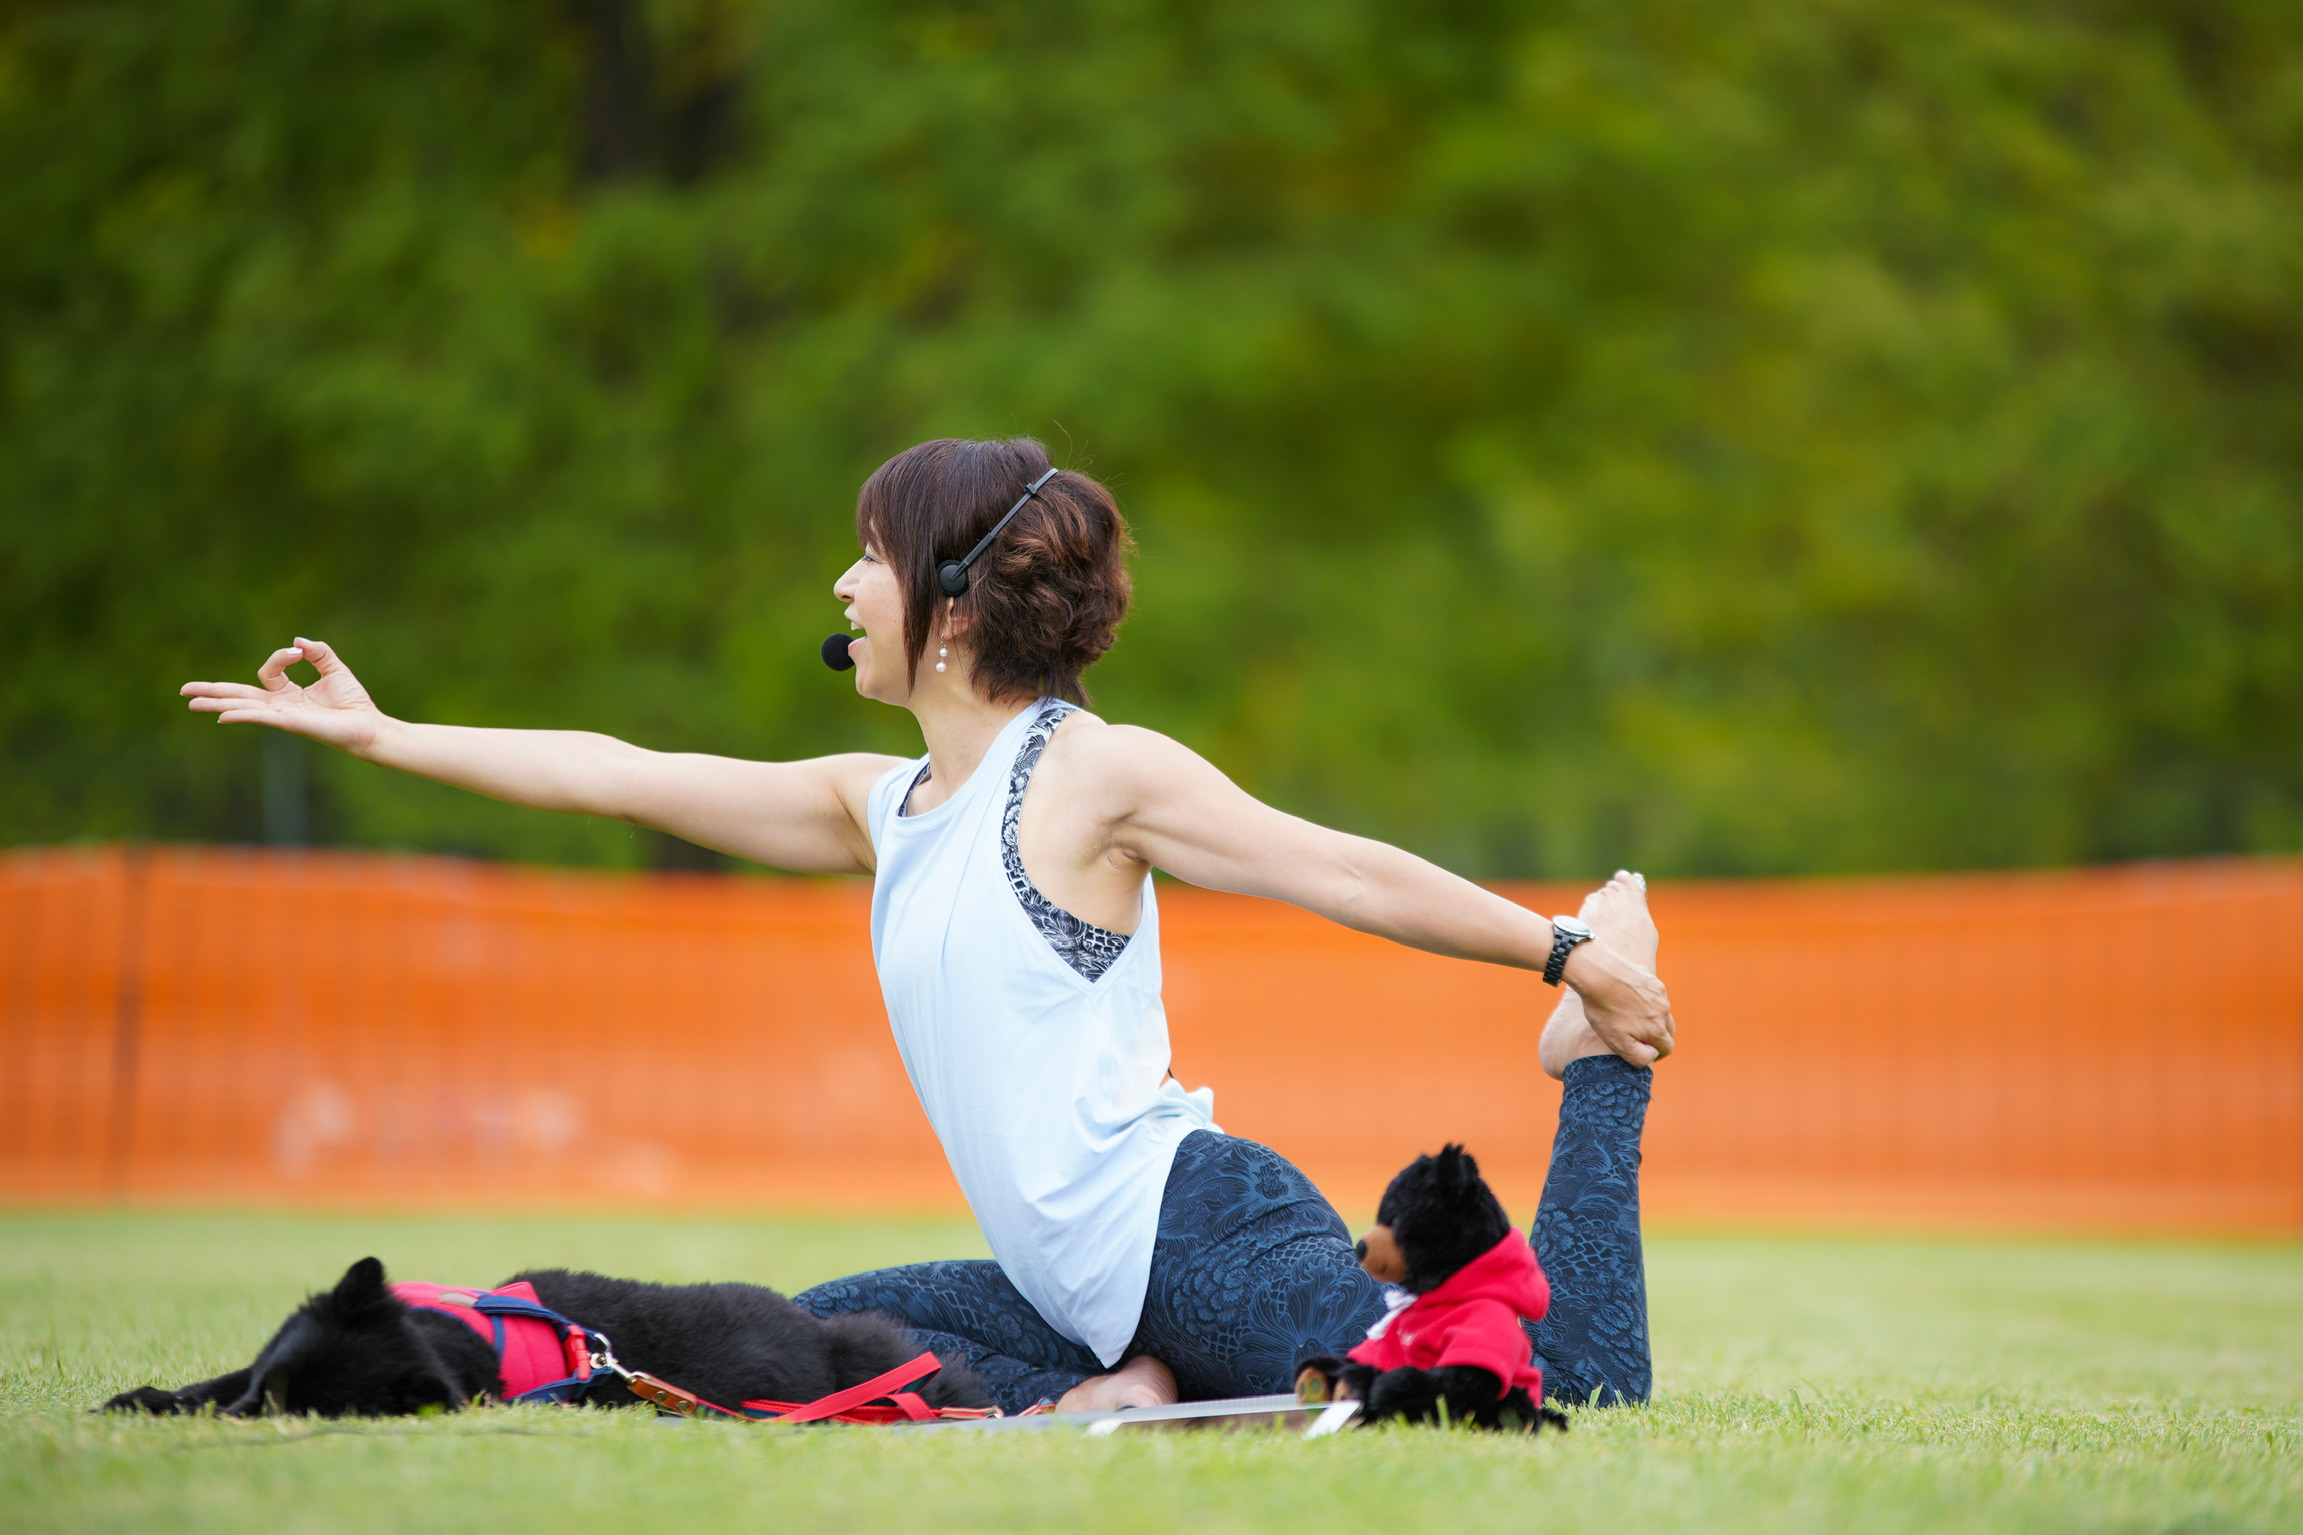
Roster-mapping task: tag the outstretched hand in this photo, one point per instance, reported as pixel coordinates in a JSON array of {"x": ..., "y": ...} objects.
[{"x": 334, "y": 709}]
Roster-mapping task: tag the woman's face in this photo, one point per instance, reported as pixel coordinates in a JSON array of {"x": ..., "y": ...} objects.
[{"x": 875, "y": 604}]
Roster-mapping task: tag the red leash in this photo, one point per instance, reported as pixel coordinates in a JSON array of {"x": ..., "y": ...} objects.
[{"x": 857, "y": 1404}]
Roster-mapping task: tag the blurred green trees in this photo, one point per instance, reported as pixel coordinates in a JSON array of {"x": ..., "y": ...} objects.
[{"x": 1835, "y": 434}]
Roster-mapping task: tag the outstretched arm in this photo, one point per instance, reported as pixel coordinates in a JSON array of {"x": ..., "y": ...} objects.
[
  {"x": 806, "y": 816},
  {"x": 1176, "y": 811}
]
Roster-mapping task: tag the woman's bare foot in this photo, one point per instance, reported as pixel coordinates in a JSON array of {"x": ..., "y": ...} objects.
[
  {"x": 1140, "y": 1382},
  {"x": 1617, "y": 912}
]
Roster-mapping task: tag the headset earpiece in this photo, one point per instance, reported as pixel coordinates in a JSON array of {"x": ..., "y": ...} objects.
[{"x": 952, "y": 575}]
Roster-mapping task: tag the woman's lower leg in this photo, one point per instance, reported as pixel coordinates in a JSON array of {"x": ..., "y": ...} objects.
[
  {"x": 967, "y": 1312},
  {"x": 1593, "y": 1342}
]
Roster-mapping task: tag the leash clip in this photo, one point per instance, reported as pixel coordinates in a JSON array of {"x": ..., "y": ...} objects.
[
  {"x": 661, "y": 1394},
  {"x": 604, "y": 1358}
]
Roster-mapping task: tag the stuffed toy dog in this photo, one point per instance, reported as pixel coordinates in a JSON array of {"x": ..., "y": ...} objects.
[{"x": 1451, "y": 1348}]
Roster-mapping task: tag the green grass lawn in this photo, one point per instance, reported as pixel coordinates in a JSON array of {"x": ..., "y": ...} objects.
[{"x": 1801, "y": 1385}]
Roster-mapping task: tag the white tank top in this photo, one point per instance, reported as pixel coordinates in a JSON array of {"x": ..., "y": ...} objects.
[{"x": 1049, "y": 1090}]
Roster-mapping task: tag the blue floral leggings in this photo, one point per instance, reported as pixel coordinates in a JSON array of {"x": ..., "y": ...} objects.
[{"x": 1253, "y": 1272}]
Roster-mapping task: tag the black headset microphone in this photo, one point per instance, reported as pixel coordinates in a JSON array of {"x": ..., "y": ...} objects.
[{"x": 951, "y": 575}]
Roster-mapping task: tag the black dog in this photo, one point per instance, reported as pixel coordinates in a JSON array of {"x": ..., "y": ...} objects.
[
  {"x": 359, "y": 1351},
  {"x": 1441, "y": 1236}
]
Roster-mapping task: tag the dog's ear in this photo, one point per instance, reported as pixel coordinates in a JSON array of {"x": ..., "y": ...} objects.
[
  {"x": 361, "y": 1280},
  {"x": 359, "y": 1295}
]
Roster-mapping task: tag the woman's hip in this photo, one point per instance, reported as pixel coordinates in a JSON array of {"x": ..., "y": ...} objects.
[
  {"x": 1223, "y": 1189},
  {"x": 1253, "y": 1271}
]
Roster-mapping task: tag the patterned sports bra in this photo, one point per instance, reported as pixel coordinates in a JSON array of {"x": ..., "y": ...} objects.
[{"x": 1088, "y": 949}]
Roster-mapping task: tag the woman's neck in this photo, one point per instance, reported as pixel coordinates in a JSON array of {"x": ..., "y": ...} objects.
[{"x": 960, "y": 725}]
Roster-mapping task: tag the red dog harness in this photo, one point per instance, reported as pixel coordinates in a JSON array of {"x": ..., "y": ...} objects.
[{"x": 544, "y": 1357}]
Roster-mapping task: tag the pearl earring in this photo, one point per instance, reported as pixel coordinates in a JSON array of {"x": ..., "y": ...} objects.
[{"x": 941, "y": 652}]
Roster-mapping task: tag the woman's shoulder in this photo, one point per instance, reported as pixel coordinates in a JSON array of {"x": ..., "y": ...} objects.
[
  {"x": 1088, "y": 738},
  {"x": 881, "y": 780},
  {"x": 1087, "y": 749}
]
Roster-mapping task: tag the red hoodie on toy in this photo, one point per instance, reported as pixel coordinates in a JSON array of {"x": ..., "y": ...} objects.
[{"x": 1472, "y": 1319}]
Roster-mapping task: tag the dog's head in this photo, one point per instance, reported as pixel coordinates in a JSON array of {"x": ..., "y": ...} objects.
[
  {"x": 348, "y": 1352},
  {"x": 1437, "y": 1216}
]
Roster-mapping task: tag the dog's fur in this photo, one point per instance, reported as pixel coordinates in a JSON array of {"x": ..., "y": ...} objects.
[
  {"x": 357, "y": 1351},
  {"x": 1436, "y": 1216}
]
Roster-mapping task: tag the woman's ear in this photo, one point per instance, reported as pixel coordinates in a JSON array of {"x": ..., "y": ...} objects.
[{"x": 956, "y": 620}]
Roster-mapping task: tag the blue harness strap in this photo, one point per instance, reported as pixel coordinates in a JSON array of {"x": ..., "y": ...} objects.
[{"x": 489, "y": 1303}]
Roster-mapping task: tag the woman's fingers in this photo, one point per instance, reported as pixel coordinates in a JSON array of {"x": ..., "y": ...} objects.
[
  {"x": 280, "y": 717},
  {"x": 1628, "y": 1008},
  {"x": 334, "y": 709},
  {"x": 274, "y": 672}
]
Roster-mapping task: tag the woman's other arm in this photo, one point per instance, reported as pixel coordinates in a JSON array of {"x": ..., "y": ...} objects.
[
  {"x": 1174, "y": 810},
  {"x": 805, "y": 816}
]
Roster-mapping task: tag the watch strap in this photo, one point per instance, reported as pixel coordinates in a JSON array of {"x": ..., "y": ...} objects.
[{"x": 1563, "y": 942}]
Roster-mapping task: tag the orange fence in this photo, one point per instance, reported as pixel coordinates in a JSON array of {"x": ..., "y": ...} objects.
[{"x": 2116, "y": 1049}]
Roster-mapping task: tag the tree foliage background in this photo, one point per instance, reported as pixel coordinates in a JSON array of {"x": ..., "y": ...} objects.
[{"x": 1821, "y": 435}]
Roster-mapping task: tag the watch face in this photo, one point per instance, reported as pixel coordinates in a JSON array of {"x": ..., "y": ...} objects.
[{"x": 1574, "y": 927}]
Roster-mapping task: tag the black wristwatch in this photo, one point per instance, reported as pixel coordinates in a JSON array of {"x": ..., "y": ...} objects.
[{"x": 1566, "y": 933}]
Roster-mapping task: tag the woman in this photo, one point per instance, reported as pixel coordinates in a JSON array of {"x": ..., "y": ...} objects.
[{"x": 1139, "y": 1253}]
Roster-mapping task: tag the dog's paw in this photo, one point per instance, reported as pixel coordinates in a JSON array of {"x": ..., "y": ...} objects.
[{"x": 145, "y": 1399}]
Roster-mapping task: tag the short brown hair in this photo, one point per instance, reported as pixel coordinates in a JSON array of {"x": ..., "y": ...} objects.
[{"x": 1044, "y": 601}]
